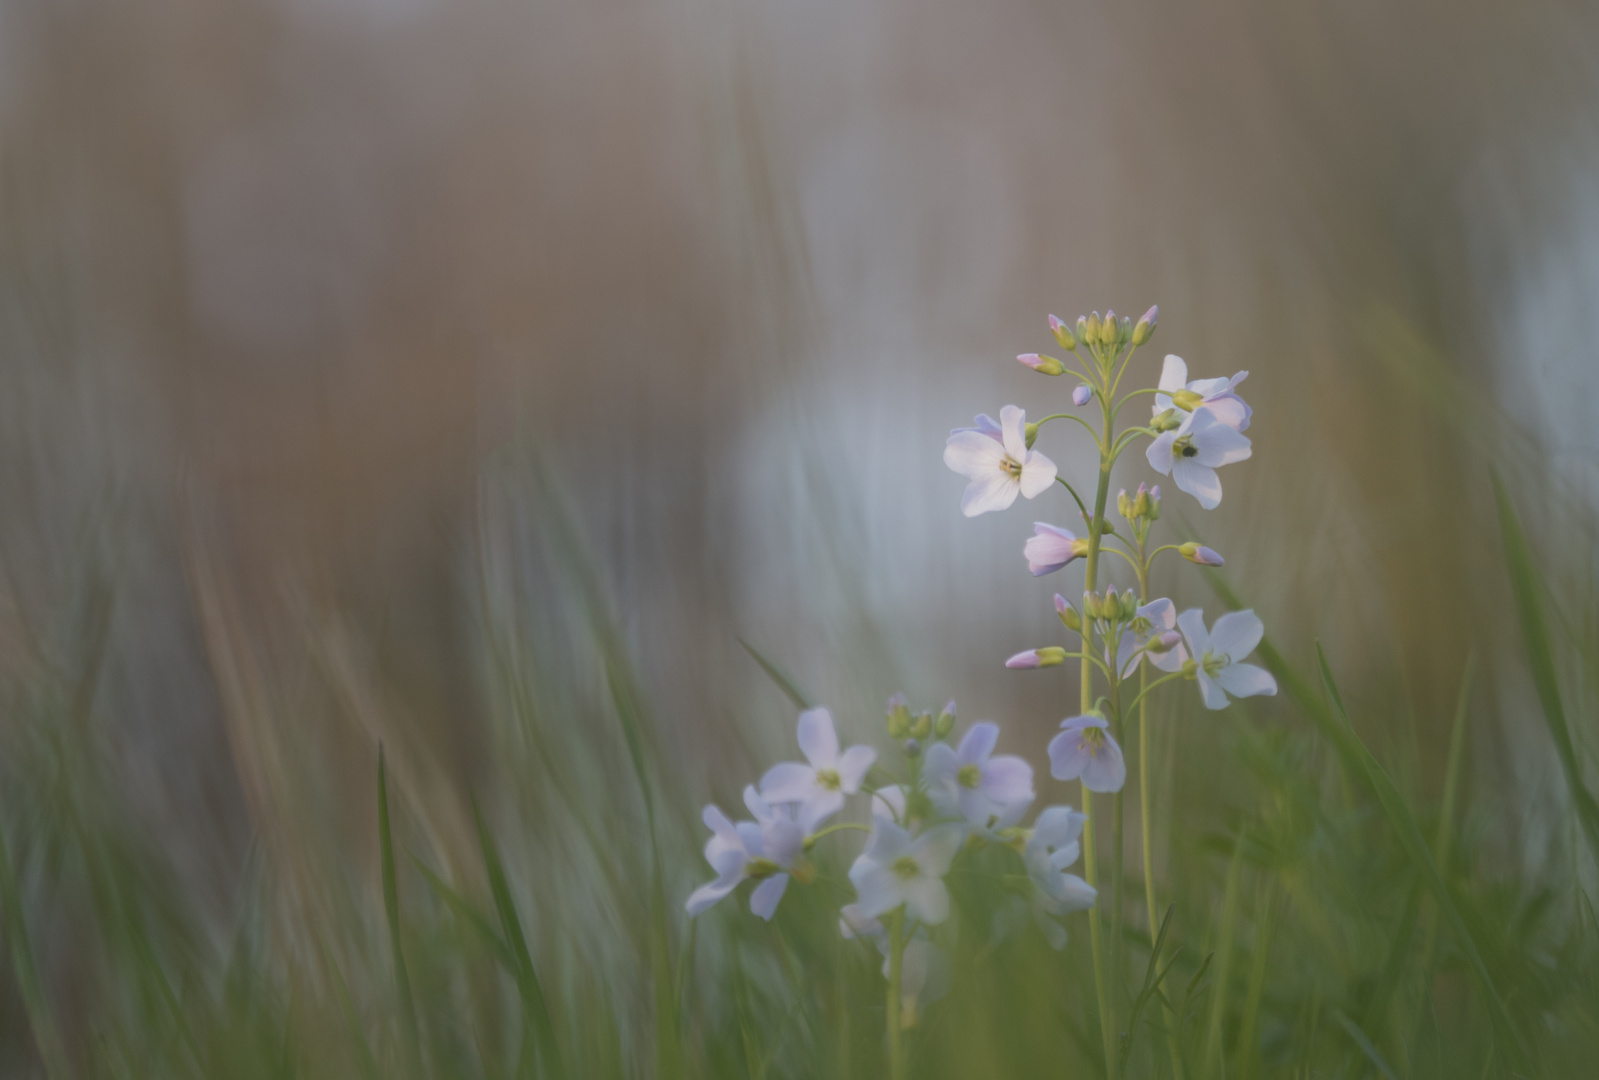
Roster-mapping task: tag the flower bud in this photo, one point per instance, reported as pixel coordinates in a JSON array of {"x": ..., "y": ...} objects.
[
  {"x": 1111, "y": 606},
  {"x": 1170, "y": 420},
  {"x": 1124, "y": 332},
  {"x": 1124, "y": 506},
  {"x": 1049, "y": 656},
  {"x": 1129, "y": 604},
  {"x": 1084, "y": 330},
  {"x": 1082, "y": 395},
  {"x": 922, "y": 726},
  {"x": 899, "y": 717},
  {"x": 913, "y": 749},
  {"x": 1140, "y": 502},
  {"x": 1186, "y": 400},
  {"x": 1164, "y": 643},
  {"x": 1068, "y": 614},
  {"x": 1146, "y": 325},
  {"x": 946, "y": 720},
  {"x": 1044, "y": 365},
  {"x": 1154, "y": 503},
  {"x": 1063, "y": 334},
  {"x": 1110, "y": 329},
  {"x": 1096, "y": 328},
  {"x": 1199, "y": 554},
  {"x": 1030, "y": 433}
]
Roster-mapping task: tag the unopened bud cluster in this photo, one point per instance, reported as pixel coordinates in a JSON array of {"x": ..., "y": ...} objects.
[{"x": 922, "y": 726}]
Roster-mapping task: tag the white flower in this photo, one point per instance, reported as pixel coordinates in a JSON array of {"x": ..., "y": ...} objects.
[
  {"x": 1051, "y": 847},
  {"x": 818, "y": 788},
  {"x": 764, "y": 852},
  {"x": 1086, "y": 750},
  {"x": 896, "y": 869},
  {"x": 1051, "y": 547},
  {"x": 998, "y": 464},
  {"x": 1215, "y": 394},
  {"x": 1154, "y": 619},
  {"x": 970, "y": 782},
  {"x": 1192, "y": 453},
  {"x": 1216, "y": 656}
]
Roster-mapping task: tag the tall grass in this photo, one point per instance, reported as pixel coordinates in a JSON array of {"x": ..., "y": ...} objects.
[{"x": 1328, "y": 915}]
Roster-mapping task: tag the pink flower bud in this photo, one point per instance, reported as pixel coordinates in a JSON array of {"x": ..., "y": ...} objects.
[{"x": 1200, "y": 554}]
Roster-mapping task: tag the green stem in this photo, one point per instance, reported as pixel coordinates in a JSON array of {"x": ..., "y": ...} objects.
[
  {"x": 835, "y": 828},
  {"x": 896, "y": 965},
  {"x": 1107, "y": 1022}
]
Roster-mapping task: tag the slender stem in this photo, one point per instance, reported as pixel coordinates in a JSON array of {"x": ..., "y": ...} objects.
[
  {"x": 835, "y": 828},
  {"x": 1134, "y": 393},
  {"x": 1144, "y": 796},
  {"x": 1075, "y": 497},
  {"x": 896, "y": 965},
  {"x": 1107, "y": 1022},
  {"x": 1139, "y": 700},
  {"x": 1067, "y": 416}
]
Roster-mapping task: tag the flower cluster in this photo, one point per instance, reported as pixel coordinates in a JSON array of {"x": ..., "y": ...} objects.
[{"x": 948, "y": 802}]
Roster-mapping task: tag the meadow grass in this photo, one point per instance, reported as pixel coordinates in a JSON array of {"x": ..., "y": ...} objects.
[{"x": 1328, "y": 913}]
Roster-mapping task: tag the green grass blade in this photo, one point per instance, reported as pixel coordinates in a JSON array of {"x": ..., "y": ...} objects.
[
  {"x": 1364, "y": 1043},
  {"x": 784, "y": 681},
  {"x": 534, "y": 1006},
  {"x": 1404, "y": 824},
  {"x": 1528, "y": 587},
  {"x": 391, "y": 911},
  {"x": 468, "y": 914},
  {"x": 35, "y": 1002}
]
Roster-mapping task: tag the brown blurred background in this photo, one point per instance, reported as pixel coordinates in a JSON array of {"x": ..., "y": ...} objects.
[{"x": 315, "y": 314}]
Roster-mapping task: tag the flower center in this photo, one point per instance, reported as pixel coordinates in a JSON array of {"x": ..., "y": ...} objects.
[
  {"x": 1184, "y": 447},
  {"x": 1186, "y": 400},
  {"x": 828, "y": 778},
  {"x": 760, "y": 868},
  {"x": 1011, "y": 466},
  {"x": 1092, "y": 739},
  {"x": 1214, "y": 663},
  {"x": 906, "y": 867},
  {"x": 969, "y": 776}
]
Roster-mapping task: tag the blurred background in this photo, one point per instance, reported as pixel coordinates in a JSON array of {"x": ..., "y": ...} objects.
[{"x": 469, "y": 376}]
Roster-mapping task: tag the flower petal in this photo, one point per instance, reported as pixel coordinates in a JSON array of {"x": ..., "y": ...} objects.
[
  {"x": 784, "y": 841},
  {"x": 708, "y": 894},
  {"x": 1173, "y": 373},
  {"x": 853, "y": 766},
  {"x": 1056, "y": 827},
  {"x": 1215, "y": 697},
  {"x": 877, "y": 888},
  {"x": 926, "y": 900},
  {"x": 1192, "y": 624},
  {"x": 717, "y": 822},
  {"x": 1007, "y": 779},
  {"x": 940, "y": 764},
  {"x": 817, "y": 738},
  {"x": 889, "y": 802},
  {"x": 978, "y": 743},
  {"x": 935, "y": 849},
  {"x": 1217, "y": 443},
  {"x": 885, "y": 843},
  {"x": 1105, "y": 772},
  {"x": 763, "y": 901},
  {"x": 989, "y": 492},
  {"x": 788, "y": 782},
  {"x": 1038, "y": 473},
  {"x": 974, "y": 454},
  {"x": 822, "y": 804},
  {"x": 1013, "y": 432},
  {"x": 1246, "y": 680},
  {"x": 1067, "y": 755},
  {"x": 1159, "y": 453},
  {"x": 1198, "y": 480},
  {"x": 1049, "y": 548},
  {"x": 1236, "y": 634}
]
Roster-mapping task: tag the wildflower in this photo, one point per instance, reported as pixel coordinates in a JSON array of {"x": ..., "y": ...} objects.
[
  {"x": 968, "y": 781},
  {"x": 1146, "y": 637},
  {"x": 1051, "y": 547},
  {"x": 1086, "y": 750},
  {"x": 818, "y": 788},
  {"x": 762, "y": 852},
  {"x": 896, "y": 868},
  {"x": 1215, "y": 656},
  {"x": 1048, "y": 656},
  {"x": 1051, "y": 847},
  {"x": 1192, "y": 452},
  {"x": 998, "y": 465},
  {"x": 1214, "y": 394}
]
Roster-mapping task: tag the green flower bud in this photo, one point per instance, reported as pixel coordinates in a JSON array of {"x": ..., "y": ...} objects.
[
  {"x": 1030, "y": 432},
  {"x": 1044, "y": 365},
  {"x": 1146, "y": 326},
  {"x": 946, "y": 720},
  {"x": 1124, "y": 506},
  {"x": 899, "y": 717},
  {"x": 922, "y": 726},
  {"x": 1063, "y": 335},
  {"x": 1068, "y": 615}
]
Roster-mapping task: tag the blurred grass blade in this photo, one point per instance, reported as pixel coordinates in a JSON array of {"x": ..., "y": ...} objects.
[
  {"x": 1364, "y": 1043},
  {"x": 391, "y": 910},
  {"x": 1404, "y": 824},
  {"x": 536, "y": 1011},
  {"x": 471, "y": 915},
  {"x": 35, "y": 1001},
  {"x": 352, "y": 1019},
  {"x": 1528, "y": 587},
  {"x": 782, "y": 678}
]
